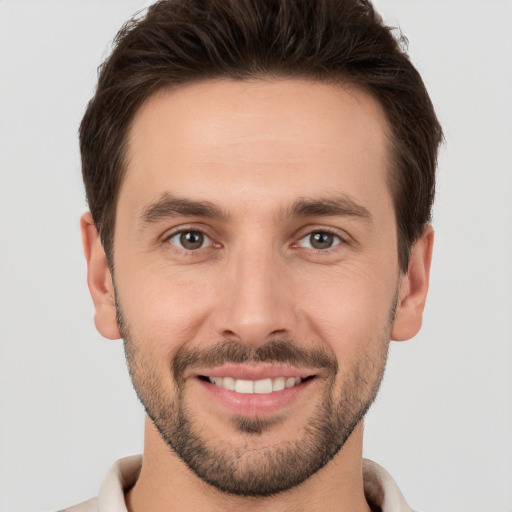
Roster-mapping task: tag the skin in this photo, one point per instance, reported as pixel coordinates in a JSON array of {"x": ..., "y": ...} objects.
[{"x": 252, "y": 150}]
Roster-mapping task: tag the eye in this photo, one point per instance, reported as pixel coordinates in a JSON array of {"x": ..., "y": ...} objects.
[
  {"x": 190, "y": 240},
  {"x": 320, "y": 240}
]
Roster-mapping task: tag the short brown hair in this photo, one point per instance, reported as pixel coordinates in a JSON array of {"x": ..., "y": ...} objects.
[{"x": 337, "y": 41}]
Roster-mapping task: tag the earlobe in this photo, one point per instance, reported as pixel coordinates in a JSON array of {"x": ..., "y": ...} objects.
[
  {"x": 413, "y": 288},
  {"x": 99, "y": 280}
]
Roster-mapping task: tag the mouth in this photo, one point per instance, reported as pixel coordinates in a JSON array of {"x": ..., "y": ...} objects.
[{"x": 256, "y": 391}]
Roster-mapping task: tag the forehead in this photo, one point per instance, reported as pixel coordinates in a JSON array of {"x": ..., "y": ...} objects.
[{"x": 286, "y": 137}]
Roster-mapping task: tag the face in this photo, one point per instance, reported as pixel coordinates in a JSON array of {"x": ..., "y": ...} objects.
[{"x": 256, "y": 274}]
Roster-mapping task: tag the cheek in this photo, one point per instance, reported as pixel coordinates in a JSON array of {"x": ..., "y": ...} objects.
[
  {"x": 349, "y": 309},
  {"x": 164, "y": 307},
  {"x": 355, "y": 325}
]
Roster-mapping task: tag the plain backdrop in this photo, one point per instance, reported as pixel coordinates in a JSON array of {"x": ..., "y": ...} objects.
[{"x": 442, "y": 424}]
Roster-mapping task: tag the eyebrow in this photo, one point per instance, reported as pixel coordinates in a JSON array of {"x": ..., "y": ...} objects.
[
  {"x": 169, "y": 206},
  {"x": 341, "y": 206}
]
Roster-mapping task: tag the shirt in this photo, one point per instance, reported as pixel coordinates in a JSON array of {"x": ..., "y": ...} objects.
[{"x": 380, "y": 489}]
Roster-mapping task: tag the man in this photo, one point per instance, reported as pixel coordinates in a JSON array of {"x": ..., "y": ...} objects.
[{"x": 260, "y": 175}]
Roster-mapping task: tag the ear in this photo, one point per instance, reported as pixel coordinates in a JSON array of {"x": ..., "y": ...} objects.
[
  {"x": 413, "y": 288},
  {"x": 99, "y": 280}
]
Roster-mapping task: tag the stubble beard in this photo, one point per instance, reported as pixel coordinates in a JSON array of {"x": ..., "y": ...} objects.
[{"x": 252, "y": 469}]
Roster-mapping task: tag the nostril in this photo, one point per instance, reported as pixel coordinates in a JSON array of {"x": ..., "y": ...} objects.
[{"x": 277, "y": 331}]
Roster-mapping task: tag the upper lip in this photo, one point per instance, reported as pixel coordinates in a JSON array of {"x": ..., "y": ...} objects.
[{"x": 254, "y": 372}]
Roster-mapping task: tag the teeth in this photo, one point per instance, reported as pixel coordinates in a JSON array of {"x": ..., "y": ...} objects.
[
  {"x": 290, "y": 382},
  {"x": 228, "y": 383},
  {"x": 244, "y": 386},
  {"x": 255, "y": 386},
  {"x": 263, "y": 386},
  {"x": 278, "y": 384}
]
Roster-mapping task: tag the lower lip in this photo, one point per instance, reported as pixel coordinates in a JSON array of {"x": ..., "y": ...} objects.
[{"x": 255, "y": 404}]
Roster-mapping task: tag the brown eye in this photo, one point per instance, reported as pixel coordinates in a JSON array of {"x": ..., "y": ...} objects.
[
  {"x": 190, "y": 240},
  {"x": 319, "y": 240}
]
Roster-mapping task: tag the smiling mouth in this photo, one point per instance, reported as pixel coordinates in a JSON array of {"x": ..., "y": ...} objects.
[{"x": 262, "y": 386}]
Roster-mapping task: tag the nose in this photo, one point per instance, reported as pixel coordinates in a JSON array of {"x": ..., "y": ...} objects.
[{"x": 256, "y": 303}]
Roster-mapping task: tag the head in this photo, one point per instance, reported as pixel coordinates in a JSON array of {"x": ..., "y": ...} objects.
[{"x": 260, "y": 176}]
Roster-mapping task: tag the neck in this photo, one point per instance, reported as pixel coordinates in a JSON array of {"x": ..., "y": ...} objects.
[{"x": 166, "y": 484}]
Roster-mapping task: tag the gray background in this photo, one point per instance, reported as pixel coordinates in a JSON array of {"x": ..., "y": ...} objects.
[{"x": 443, "y": 422}]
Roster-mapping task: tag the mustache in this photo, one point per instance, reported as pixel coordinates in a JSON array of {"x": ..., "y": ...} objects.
[{"x": 284, "y": 351}]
